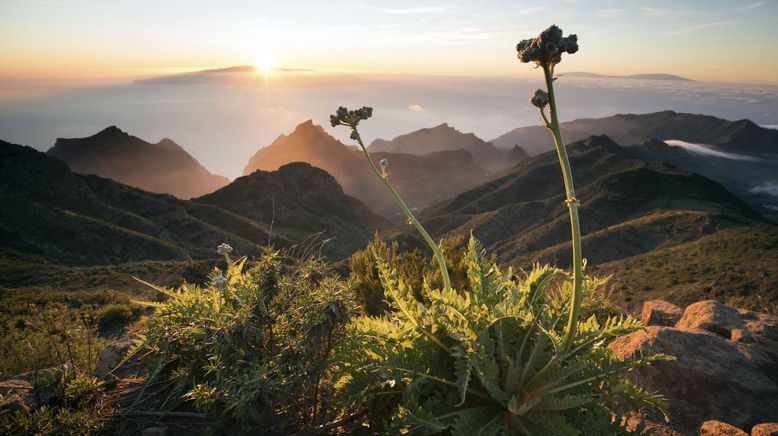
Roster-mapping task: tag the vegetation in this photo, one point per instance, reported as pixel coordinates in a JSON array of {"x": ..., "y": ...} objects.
[
  {"x": 488, "y": 358},
  {"x": 252, "y": 348}
]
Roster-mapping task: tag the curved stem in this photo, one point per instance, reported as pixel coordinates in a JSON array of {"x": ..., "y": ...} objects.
[
  {"x": 435, "y": 249},
  {"x": 572, "y": 205}
]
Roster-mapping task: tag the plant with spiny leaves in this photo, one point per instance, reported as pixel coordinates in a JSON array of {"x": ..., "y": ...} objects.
[
  {"x": 489, "y": 358},
  {"x": 501, "y": 355}
]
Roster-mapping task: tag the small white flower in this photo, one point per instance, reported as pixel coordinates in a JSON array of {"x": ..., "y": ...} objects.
[
  {"x": 224, "y": 249},
  {"x": 219, "y": 281}
]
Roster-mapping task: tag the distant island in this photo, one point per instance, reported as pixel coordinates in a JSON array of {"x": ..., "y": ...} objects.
[
  {"x": 650, "y": 76},
  {"x": 216, "y": 75}
]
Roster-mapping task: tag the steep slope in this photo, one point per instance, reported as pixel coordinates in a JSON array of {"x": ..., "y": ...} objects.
[
  {"x": 421, "y": 180},
  {"x": 51, "y": 214},
  {"x": 749, "y": 177},
  {"x": 738, "y": 154},
  {"x": 301, "y": 197},
  {"x": 162, "y": 167},
  {"x": 629, "y": 207},
  {"x": 742, "y": 136},
  {"x": 445, "y": 137}
]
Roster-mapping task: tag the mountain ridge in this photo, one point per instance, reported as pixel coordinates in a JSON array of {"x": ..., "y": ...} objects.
[
  {"x": 163, "y": 167},
  {"x": 444, "y": 137},
  {"x": 420, "y": 179}
]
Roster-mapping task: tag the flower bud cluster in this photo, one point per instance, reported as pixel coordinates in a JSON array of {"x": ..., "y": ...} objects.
[
  {"x": 539, "y": 99},
  {"x": 546, "y": 49},
  {"x": 350, "y": 118}
]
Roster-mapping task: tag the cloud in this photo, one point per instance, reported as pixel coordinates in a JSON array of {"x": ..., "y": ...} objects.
[
  {"x": 416, "y": 108},
  {"x": 529, "y": 10},
  {"x": 691, "y": 29},
  {"x": 751, "y": 6},
  {"x": 663, "y": 12},
  {"x": 610, "y": 13},
  {"x": 416, "y": 10}
]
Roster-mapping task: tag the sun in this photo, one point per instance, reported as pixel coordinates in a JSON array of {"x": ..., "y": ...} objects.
[{"x": 265, "y": 62}]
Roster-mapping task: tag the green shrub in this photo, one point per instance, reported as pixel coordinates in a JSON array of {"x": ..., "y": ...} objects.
[
  {"x": 252, "y": 348},
  {"x": 117, "y": 316},
  {"x": 51, "y": 336},
  {"x": 488, "y": 359},
  {"x": 47, "y": 421}
]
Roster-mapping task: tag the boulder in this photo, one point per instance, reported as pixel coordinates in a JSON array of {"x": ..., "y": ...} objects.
[
  {"x": 711, "y": 378},
  {"x": 765, "y": 429},
  {"x": 718, "y": 428},
  {"x": 729, "y": 322},
  {"x": 16, "y": 395},
  {"x": 111, "y": 356},
  {"x": 660, "y": 312}
]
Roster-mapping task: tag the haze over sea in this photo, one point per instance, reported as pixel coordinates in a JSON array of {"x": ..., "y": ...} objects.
[{"x": 223, "y": 122}]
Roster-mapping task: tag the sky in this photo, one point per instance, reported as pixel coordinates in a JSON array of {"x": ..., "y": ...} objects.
[{"x": 96, "y": 40}]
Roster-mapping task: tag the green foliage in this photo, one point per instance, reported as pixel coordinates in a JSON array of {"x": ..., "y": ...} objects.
[
  {"x": 488, "y": 358},
  {"x": 48, "y": 421},
  {"x": 412, "y": 266},
  {"x": 252, "y": 353},
  {"x": 51, "y": 336},
  {"x": 117, "y": 316}
]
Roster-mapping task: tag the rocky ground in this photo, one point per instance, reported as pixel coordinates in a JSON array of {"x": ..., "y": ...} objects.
[
  {"x": 724, "y": 380},
  {"x": 725, "y": 375}
]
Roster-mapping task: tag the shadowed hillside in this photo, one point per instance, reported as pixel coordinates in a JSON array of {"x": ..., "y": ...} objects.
[
  {"x": 738, "y": 154},
  {"x": 421, "y": 180},
  {"x": 741, "y": 136},
  {"x": 163, "y": 167},
  {"x": 52, "y": 214},
  {"x": 629, "y": 208}
]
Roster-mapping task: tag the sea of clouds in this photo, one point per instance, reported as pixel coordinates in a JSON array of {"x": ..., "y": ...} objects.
[{"x": 223, "y": 124}]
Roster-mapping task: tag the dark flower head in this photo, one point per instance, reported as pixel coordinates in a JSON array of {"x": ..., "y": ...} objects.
[
  {"x": 539, "y": 99},
  {"x": 546, "y": 49},
  {"x": 350, "y": 117}
]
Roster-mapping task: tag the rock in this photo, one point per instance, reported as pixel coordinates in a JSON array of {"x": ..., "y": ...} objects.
[
  {"x": 718, "y": 428},
  {"x": 16, "y": 395},
  {"x": 758, "y": 330},
  {"x": 765, "y": 429},
  {"x": 33, "y": 388},
  {"x": 111, "y": 356},
  {"x": 712, "y": 378},
  {"x": 722, "y": 320},
  {"x": 14, "y": 403},
  {"x": 154, "y": 431},
  {"x": 660, "y": 312}
]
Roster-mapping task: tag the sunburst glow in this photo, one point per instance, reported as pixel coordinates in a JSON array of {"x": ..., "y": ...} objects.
[{"x": 265, "y": 62}]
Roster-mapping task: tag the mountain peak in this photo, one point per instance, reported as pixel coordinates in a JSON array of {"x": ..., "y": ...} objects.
[
  {"x": 110, "y": 131},
  {"x": 169, "y": 144}
]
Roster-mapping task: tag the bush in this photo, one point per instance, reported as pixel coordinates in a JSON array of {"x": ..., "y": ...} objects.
[
  {"x": 253, "y": 353},
  {"x": 117, "y": 316},
  {"x": 488, "y": 359}
]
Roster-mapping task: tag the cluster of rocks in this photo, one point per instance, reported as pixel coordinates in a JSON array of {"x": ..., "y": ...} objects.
[{"x": 725, "y": 375}]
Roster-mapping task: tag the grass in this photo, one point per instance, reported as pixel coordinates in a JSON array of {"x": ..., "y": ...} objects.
[{"x": 738, "y": 266}]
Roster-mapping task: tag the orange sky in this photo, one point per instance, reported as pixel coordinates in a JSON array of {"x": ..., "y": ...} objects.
[{"x": 723, "y": 41}]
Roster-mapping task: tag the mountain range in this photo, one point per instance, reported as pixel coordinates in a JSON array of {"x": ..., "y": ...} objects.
[
  {"x": 52, "y": 214},
  {"x": 631, "y": 209},
  {"x": 422, "y": 178},
  {"x": 740, "y": 155},
  {"x": 444, "y": 137},
  {"x": 156, "y": 167},
  {"x": 673, "y": 217}
]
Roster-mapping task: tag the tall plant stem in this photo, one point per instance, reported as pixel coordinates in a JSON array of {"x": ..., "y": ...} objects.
[
  {"x": 572, "y": 206},
  {"x": 435, "y": 249}
]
